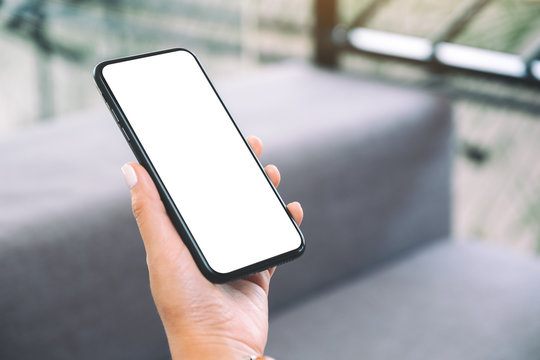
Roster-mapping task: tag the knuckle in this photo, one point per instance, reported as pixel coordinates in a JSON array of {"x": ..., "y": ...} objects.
[
  {"x": 137, "y": 207},
  {"x": 143, "y": 206}
]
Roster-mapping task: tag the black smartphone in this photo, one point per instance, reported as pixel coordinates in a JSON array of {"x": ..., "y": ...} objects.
[{"x": 215, "y": 190}]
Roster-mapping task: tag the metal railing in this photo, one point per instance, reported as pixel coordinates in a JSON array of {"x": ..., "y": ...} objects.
[
  {"x": 497, "y": 98},
  {"x": 438, "y": 53}
]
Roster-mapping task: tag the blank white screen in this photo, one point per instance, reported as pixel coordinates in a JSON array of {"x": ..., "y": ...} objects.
[{"x": 214, "y": 181}]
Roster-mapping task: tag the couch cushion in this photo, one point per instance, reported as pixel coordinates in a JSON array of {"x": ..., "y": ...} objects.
[
  {"x": 449, "y": 301},
  {"x": 373, "y": 179}
]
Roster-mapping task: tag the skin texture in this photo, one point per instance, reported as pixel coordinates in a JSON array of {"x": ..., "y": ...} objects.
[{"x": 202, "y": 320}]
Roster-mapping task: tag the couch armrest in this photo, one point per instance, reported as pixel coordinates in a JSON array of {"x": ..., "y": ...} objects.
[{"x": 371, "y": 164}]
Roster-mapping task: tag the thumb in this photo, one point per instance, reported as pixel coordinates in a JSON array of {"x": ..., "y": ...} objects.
[{"x": 161, "y": 240}]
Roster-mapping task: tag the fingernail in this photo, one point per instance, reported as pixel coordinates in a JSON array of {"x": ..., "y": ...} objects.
[{"x": 130, "y": 176}]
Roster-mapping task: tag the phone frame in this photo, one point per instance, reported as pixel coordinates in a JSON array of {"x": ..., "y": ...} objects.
[{"x": 172, "y": 211}]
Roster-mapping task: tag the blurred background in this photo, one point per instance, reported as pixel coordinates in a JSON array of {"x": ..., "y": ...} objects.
[
  {"x": 408, "y": 129},
  {"x": 48, "y": 50}
]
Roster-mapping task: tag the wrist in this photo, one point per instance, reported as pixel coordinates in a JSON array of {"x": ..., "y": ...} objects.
[{"x": 208, "y": 348}]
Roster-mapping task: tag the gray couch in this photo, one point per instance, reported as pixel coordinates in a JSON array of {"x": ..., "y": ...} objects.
[{"x": 381, "y": 277}]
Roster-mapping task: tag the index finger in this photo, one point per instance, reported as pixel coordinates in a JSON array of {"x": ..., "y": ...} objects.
[{"x": 256, "y": 145}]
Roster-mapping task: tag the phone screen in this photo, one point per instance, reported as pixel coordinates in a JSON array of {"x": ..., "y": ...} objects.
[{"x": 214, "y": 181}]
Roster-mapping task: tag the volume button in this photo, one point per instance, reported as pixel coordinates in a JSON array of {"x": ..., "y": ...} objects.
[
  {"x": 112, "y": 112},
  {"x": 125, "y": 134}
]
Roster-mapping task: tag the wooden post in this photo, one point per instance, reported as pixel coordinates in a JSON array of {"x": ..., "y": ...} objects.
[{"x": 326, "y": 52}]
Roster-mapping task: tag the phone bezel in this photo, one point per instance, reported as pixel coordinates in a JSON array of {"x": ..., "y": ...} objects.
[{"x": 173, "y": 212}]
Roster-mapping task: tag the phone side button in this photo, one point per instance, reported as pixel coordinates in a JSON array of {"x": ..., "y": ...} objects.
[
  {"x": 113, "y": 114},
  {"x": 125, "y": 134},
  {"x": 115, "y": 117}
]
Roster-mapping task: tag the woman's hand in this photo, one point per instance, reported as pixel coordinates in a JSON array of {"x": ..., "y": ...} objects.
[{"x": 202, "y": 320}]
